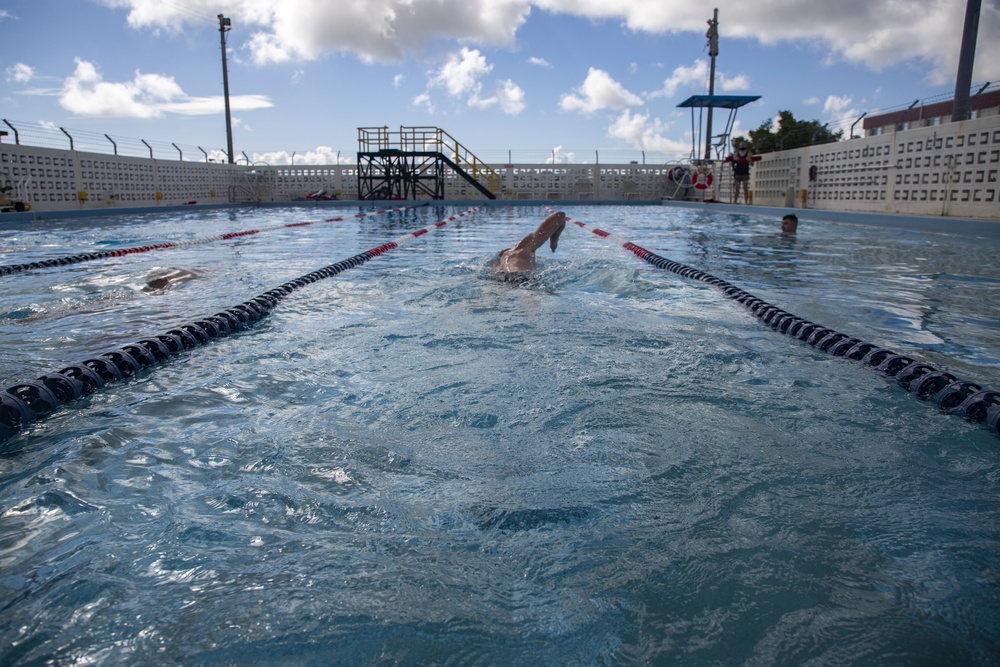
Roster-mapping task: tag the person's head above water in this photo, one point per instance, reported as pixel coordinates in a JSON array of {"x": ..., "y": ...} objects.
[
  {"x": 522, "y": 256},
  {"x": 789, "y": 223}
]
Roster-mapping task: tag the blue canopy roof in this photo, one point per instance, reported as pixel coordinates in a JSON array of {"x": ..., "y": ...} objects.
[{"x": 719, "y": 101}]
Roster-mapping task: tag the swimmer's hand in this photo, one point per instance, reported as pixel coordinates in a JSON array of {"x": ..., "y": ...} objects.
[{"x": 554, "y": 239}]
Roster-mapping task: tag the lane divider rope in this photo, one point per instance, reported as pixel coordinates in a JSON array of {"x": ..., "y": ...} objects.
[
  {"x": 950, "y": 393},
  {"x": 24, "y": 403},
  {"x": 121, "y": 252}
]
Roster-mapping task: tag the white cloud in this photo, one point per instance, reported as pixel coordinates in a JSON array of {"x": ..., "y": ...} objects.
[
  {"x": 560, "y": 156},
  {"x": 508, "y": 96},
  {"x": 836, "y": 104},
  {"x": 511, "y": 97},
  {"x": 811, "y": 101},
  {"x": 423, "y": 100},
  {"x": 397, "y": 80},
  {"x": 541, "y": 62},
  {"x": 374, "y": 30},
  {"x": 645, "y": 133},
  {"x": 599, "y": 91},
  {"x": 460, "y": 76},
  {"x": 733, "y": 84},
  {"x": 874, "y": 33},
  {"x": 146, "y": 96},
  {"x": 87, "y": 94},
  {"x": 461, "y": 73},
  {"x": 20, "y": 73},
  {"x": 839, "y": 107},
  {"x": 696, "y": 76},
  {"x": 685, "y": 75},
  {"x": 320, "y": 155}
]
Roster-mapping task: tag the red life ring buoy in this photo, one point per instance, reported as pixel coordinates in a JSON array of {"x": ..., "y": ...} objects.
[{"x": 698, "y": 183}]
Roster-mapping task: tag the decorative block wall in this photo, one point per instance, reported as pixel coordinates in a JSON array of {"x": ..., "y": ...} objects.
[
  {"x": 951, "y": 170},
  {"x": 53, "y": 179}
]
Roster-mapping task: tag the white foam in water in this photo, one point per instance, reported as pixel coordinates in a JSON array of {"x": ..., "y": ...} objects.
[{"x": 414, "y": 463}]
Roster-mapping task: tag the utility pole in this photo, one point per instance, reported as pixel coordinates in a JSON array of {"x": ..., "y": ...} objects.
[
  {"x": 713, "y": 51},
  {"x": 224, "y": 27},
  {"x": 961, "y": 107}
]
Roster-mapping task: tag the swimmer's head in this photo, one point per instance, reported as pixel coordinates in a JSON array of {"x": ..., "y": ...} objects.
[
  {"x": 789, "y": 223},
  {"x": 156, "y": 284}
]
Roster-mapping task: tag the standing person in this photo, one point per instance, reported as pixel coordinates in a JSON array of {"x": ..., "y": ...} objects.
[
  {"x": 741, "y": 171},
  {"x": 521, "y": 258}
]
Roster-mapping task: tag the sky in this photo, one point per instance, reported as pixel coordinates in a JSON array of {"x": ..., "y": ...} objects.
[{"x": 520, "y": 80}]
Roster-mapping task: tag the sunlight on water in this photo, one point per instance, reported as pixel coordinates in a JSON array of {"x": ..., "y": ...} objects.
[{"x": 414, "y": 463}]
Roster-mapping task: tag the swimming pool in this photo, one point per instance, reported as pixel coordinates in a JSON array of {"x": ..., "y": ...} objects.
[{"x": 413, "y": 463}]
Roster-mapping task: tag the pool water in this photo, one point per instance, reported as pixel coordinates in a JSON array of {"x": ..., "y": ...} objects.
[{"x": 414, "y": 463}]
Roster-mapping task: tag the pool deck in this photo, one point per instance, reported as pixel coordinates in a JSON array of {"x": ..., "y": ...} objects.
[{"x": 972, "y": 227}]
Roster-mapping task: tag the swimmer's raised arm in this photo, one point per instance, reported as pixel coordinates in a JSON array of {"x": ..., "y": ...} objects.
[
  {"x": 522, "y": 256},
  {"x": 549, "y": 230}
]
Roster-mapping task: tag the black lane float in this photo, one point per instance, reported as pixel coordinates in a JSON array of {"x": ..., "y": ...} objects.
[
  {"x": 9, "y": 269},
  {"x": 948, "y": 392},
  {"x": 24, "y": 403}
]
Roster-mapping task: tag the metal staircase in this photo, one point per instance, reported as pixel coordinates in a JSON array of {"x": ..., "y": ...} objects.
[{"x": 410, "y": 164}]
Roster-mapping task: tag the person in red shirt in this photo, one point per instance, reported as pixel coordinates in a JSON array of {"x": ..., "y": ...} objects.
[{"x": 741, "y": 171}]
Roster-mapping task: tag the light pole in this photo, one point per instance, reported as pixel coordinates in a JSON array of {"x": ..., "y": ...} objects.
[
  {"x": 224, "y": 27},
  {"x": 713, "y": 51},
  {"x": 961, "y": 107}
]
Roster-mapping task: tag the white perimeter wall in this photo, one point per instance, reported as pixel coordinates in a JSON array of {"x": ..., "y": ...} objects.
[
  {"x": 943, "y": 170},
  {"x": 949, "y": 170},
  {"x": 52, "y": 179}
]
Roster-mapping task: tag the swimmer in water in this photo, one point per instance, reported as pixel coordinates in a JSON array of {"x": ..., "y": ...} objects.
[
  {"x": 789, "y": 224},
  {"x": 521, "y": 258},
  {"x": 159, "y": 280}
]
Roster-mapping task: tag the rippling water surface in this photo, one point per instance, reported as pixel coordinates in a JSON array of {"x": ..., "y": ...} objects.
[{"x": 413, "y": 463}]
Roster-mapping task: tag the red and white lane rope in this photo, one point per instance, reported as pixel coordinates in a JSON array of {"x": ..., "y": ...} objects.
[
  {"x": 87, "y": 256},
  {"x": 406, "y": 238},
  {"x": 948, "y": 392},
  {"x": 638, "y": 251},
  {"x": 21, "y": 404}
]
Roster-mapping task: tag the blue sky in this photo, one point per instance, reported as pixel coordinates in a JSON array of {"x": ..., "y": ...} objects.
[{"x": 549, "y": 79}]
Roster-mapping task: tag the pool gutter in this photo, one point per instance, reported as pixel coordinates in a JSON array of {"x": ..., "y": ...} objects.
[{"x": 972, "y": 227}]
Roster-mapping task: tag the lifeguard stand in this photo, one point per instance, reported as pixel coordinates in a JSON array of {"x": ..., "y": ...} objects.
[
  {"x": 702, "y": 102},
  {"x": 411, "y": 163}
]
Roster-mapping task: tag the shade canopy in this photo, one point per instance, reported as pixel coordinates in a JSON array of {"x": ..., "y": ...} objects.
[{"x": 719, "y": 101}]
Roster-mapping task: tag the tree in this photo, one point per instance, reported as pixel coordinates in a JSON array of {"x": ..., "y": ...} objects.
[{"x": 790, "y": 134}]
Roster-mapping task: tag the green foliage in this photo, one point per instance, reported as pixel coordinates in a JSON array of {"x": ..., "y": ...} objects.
[{"x": 790, "y": 134}]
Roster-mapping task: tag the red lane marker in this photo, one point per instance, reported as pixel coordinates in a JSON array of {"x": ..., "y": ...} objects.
[
  {"x": 233, "y": 235},
  {"x": 384, "y": 248},
  {"x": 638, "y": 251}
]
